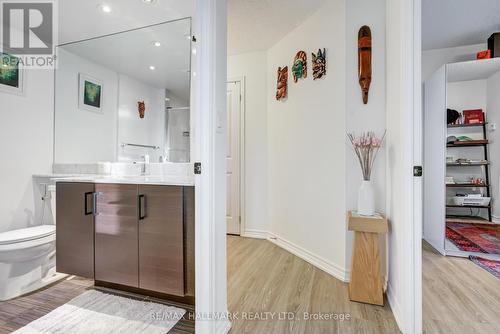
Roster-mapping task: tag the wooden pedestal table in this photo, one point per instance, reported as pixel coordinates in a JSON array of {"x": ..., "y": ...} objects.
[{"x": 365, "y": 282}]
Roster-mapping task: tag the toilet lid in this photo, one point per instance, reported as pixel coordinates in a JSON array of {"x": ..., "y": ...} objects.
[{"x": 26, "y": 234}]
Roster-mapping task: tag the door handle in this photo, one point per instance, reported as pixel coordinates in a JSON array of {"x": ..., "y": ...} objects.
[
  {"x": 141, "y": 203},
  {"x": 86, "y": 201}
]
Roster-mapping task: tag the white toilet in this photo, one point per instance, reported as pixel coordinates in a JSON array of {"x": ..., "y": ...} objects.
[{"x": 27, "y": 258}]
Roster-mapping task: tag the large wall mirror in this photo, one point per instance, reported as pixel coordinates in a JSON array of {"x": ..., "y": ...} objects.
[{"x": 125, "y": 97}]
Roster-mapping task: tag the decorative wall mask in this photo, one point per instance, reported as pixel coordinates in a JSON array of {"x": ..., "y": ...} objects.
[
  {"x": 141, "y": 106},
  {"x": 299, "y": 68},
  {"x": 365, "y": 61},
  {"x": 282, "y": 86},
  {"x": 319, "y": 64}
]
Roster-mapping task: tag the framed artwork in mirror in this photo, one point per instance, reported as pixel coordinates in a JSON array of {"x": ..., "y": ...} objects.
[
  {"x": 90, "y": 93},
  {"x": 11, "y": 74}
]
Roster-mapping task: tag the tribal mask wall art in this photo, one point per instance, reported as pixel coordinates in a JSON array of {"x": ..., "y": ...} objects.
[
  {"x": 299, "y": 68},
  {"x": 365, "y": 61},
  {"x": 282, "y": 86},
  {"x": 319, "y": 64},
  {"x": 141, "y": 106}
]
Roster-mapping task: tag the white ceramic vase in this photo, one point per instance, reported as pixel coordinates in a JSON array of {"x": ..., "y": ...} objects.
[{"x": 366, "y": 199}]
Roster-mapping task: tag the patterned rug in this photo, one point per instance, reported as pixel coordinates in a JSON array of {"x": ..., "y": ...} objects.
[
  {"x": 101, "y": 313},
  {"x": 481, "y": 238},
  {"x": 491, "y": 266}
]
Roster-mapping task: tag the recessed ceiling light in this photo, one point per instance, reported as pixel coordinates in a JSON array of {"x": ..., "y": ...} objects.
[
  {"x": 167, "y": 99},
  {"x": 194, "y": 51},
  {"x": 148, "y": 1},
  {"x": 105, "y": 8},
  {"x": 156, "y": 43},
  {"x": 152, "y": 68}
]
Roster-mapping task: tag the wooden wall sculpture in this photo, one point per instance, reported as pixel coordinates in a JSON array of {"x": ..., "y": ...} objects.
[
  {"x": 299, "y": 68},
  {"x": 319, "y": 64},
  {"x": 365, "y": 61},
  {"x": 282, "y": 85},
  {"x": 141, "y": 106}
]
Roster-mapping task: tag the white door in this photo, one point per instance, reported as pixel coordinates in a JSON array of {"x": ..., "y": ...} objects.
[
  {"x": 233, "y": 157},
  {"x": 434, "y": 160}
]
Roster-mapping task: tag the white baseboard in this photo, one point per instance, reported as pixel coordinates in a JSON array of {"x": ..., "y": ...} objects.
[
  {"x": 396, "y": 309},
  {"x": 317, "y": 261},
  {"x": 256, "y": 234}
]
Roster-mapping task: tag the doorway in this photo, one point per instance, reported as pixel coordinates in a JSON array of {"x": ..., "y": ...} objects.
[{"x": 235, "y": 156}]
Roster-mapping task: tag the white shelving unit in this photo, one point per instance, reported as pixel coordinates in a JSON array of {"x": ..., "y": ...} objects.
[{"x": 435, "y": 148}]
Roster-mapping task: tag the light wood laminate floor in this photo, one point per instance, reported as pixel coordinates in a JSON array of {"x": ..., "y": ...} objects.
[
  {"x": 265, "y": 278},
  {"x": 458, "y": 296}
]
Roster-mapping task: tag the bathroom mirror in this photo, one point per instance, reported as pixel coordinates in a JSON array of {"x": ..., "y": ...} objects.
[{"x": 125, "y": 97}]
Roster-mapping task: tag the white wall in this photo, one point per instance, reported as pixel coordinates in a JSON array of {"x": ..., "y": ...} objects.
[
  {"x": 149, "y": 130},
  {"x": 83, "y": 136},
  {"x": 360, "y": 117},
  {"x": 434, "y": 59},
  {"x": 253, "y": 66},
  {"x": 26, "y": 133},
  {"x": 306, "y": 138},
  {"x": 493, "y": 117}
]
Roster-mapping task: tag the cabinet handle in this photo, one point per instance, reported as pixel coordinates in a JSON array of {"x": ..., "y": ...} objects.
[
  {"x": 142, "y": 201},
  {"x": 86, "y": 201},
  {"x": 94, "y": 201}
]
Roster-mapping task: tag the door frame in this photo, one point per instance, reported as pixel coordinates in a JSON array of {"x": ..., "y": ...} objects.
[
  {"x": 242, "y": 175},
  {"x": 418, "y": 153}
]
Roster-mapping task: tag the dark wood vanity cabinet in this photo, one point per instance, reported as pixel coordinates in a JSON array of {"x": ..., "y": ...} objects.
[
  {"x": 161, "y": 239},
  {"x": 116, "y": 230},
  {"x": 136, "y": 236},
  {"x": 75, "y": 229}
]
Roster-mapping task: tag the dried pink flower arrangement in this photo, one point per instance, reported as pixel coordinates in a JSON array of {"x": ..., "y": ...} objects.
[{"x": 366, "y": 148}]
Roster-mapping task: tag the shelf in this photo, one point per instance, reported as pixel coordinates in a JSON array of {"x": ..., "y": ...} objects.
[
  {"x": 467, "y": 219},
  {"x": 466, "y": 185},
  {"x": 468, "y": 143},
  {"x": 456, "y": 164},
  {"x": 468, "y": 206},
  {"x": 465, "y": 125}
]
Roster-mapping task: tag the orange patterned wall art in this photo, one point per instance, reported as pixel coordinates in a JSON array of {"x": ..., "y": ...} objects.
[
  {"x": 282, "y": 84},
  {"x": 141, "y": 106}
]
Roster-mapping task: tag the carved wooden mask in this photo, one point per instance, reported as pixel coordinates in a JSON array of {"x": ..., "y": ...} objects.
[
  {"x": 365, "y": 61},
  {"x": 299, "y": 68},
  {"x": 141, "y": 106},
  {"x": 282, "y": 84},
  {"x": 319, "y": 64}
]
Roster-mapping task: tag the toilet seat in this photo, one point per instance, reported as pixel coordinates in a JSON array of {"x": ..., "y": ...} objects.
[{"x": 26, "y": 234}]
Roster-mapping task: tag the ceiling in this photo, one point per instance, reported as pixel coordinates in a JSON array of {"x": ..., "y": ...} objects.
[
  {"x": 256, "y": 25},
  {"x": 80, "y": 19},
  {"x": 450, "y": 23},
  {"x": 133, "y": 52}
]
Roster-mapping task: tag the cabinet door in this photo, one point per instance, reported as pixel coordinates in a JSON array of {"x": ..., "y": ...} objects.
[
  {"x": 75, "y": 229},
  {"x": 161, "y": 239},
  {"x": 116, "y": 252}
]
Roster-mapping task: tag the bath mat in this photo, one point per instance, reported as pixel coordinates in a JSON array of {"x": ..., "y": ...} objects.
[
  {"x": 482, "y": 238},
  {"x": 491, "y": 266},
  {"x": 101, "y": 313}
]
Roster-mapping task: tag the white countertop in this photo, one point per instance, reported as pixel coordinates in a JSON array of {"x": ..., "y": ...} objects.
[{"x": 163, "y": 180}]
